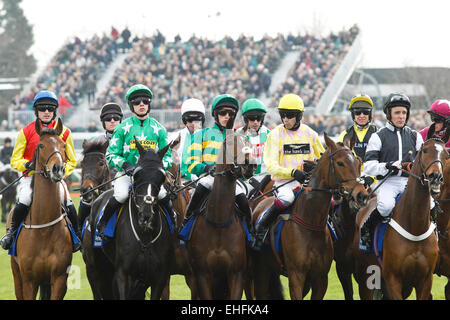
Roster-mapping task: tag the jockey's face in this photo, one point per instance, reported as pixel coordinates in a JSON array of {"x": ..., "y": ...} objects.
[
  {"x": 398, "y": 116},
  {"x": 46, "y": 116},
  {"x": 289, "y": 123},
  {"x": 141, "y": 106},
  {"x": 224, "y": 115},
  {"x": 111, "y": 122}
]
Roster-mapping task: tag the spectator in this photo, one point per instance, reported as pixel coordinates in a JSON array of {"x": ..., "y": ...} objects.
[{"x": 126, "y": 34}]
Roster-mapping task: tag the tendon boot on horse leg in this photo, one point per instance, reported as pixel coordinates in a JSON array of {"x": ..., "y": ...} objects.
[
  {"x": 368, "y": 227},
  {"x": 112, "y": 206},
  {"x": 72, "y": 214},
  {"x": 194, "y": 205},
  {"x": 242, "y": 202},
  {"x": 18, "y": 214},
  {"x": 268, "y": 217}
]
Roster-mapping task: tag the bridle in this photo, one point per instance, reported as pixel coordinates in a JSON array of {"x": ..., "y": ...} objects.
[
  {"x": 96, "y": 179},
  {"x": 423, "y": 178},
  {"x": 45, "y": 171}
]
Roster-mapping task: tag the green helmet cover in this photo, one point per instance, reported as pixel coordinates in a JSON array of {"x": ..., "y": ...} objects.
[
  {"x": 136, "y": 89},
  {"x": 253, "y": 104},
  {"x": 220, "y": 99}
]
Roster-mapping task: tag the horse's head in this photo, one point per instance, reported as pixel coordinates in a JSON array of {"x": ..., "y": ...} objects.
[
  {"x": 236, "y": 156},
  {"x": 50, "y": 154},
  {"x": 429, "y": 162},
  {"x": 147, "y": 181},
  {"x": 94, "y": 167},
  {"x": 340, "y": 170}
]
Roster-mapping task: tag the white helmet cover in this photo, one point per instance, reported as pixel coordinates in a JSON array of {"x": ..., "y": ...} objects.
[{"x": 192, "y": 105}]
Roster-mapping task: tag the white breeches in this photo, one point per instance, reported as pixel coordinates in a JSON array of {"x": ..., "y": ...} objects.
[
  {"x": 208, "y": 181},
  {"x": 122, "y": 187},
  {"x": 285, "y": 194}
]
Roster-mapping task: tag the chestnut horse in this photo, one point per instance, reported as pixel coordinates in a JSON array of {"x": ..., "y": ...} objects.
[
  {"x": 306, "y": 242},
  {"x": 44, "y": 246},
  {"x": 94, "y": 172},
  {"x": 410, "y": 249},
  {"x": 217, "y": 250},
  {"x": 443, "y": 226}
]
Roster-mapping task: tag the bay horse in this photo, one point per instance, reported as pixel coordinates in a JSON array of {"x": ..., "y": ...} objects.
[
  {"x": 141, "y": 250},
  {"x": 44, "y": 246},
  {"x": 307, "y": 247},
  {"x": 94, "y": 172},
  {"x": 410, "y": 249},
  {"x": 443, "y": 227},
  {"x": 217, "y": 249},
  {"x": 9, "y": 196}
]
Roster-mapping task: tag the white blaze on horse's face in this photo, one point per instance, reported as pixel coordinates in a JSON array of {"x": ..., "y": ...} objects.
[{"x": 149, "y": 199}]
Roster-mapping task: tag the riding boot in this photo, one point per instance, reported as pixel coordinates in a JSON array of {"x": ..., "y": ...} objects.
[
  {"x": 18, "y": 215},
  {"x": 112, "y": 206},
  {"x": 72, "y": 214},
  {"x": 242, "y": 202},
  {"x": 84, "y": 210},
  {"x": 368, "y": 227},
  {"x": 263, "y": 224},
  {"x": 166, "y": 202},
  {"x": 194, "y": 205}
]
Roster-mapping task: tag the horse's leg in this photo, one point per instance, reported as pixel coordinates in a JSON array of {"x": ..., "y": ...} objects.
[
  {"x": 159, "y": 286},
  {"x": 296, "y": 283},
  {"x": 394, "y": 287},
  {"x": 120, "y": 284},
  {"x": 18, "y": 289},
  {"x": 192, "y": 284},
  {"x": 204, "y": 286},
  {"x": 29, "y": 289},
  {"x": 165, "y": 295},
  {"x": 59, "y": 287},
  {"x": 345, "y": 278},
  {"x": 447, "y": 290},
  {"x": 319, "y": 287},
  {"x": 423, "y": 291},
  {"x": 236, "y": 285}
]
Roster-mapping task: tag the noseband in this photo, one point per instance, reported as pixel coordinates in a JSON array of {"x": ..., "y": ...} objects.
[{"x": 45, "y": 172}]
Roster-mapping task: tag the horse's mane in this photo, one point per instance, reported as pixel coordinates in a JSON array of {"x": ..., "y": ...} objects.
[
  {"x": 95, "y": 145},
  {"x": 48, "y": 131}
]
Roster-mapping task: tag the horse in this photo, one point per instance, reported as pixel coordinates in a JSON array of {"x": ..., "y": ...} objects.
[
  {"x": 410, "y": 249},
  {"x": 443, "y": 227},
  {"x": 9, "y": 196},
  {"x": 217, "y": 249},
  {"x": 94, "y": 172},
  {"x": 44, "y": 246},
  {"x": 306, "y": 242},
  {"x": 141, "y": 250}
]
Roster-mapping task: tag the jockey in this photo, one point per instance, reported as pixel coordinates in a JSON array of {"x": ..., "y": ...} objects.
[
  {"x": 439, "y": 112},
  {"x": 193, "y": 117},
  {"x": 253, "y": 112},
  {"x": 45, "y": 104},
  {"x": 110, "y": 116},
  {"x": 382, "y": 157},
  {"x": 287, "y": 148},
  {"x": 204, "y": 149},
  {"x": 123, "y": 154},
  {"x": 360, "y": 106}
]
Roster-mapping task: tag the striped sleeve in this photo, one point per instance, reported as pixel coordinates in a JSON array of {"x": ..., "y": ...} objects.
[
  {"x": 372, "y": 166},
  {"x": 194, "y": 153}
]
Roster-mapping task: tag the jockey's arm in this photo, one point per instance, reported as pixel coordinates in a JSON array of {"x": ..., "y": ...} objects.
[
  {"x": 372, "y": 166},
  {"x": 71, "y": 163},
  {"x": 271, "y": 157},
  {"x": 194, "y": 154},
  {"x": 17, "y": 160},
  {"x": 114, "y": 154}
]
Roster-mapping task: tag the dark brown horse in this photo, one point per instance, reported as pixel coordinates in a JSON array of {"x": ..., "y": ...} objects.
[
  {"x": 410, "y": 249},
  {"x": 94, "y": 172},
  {"x": 443, "y": 226},
  {"x": 44, "y": 247},
  {"x": 307, "y": 247},
  {"x": 8, "y": 197},
  {"x": 217, "y": 249}
]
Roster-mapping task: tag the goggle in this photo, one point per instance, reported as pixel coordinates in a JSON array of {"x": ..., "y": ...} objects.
[
  {"x": 437, "y": 118},
  {"x": 253, "y": 117},
  {"x": 110, "y": 118},
  {"x": 365, "y": 112},
  {"x": 46, "y": 107},
  {"x": 223, "y": 113},
  {"x": 288, "y": 114},
  {"x": 137, "y": 101},
  {"x": 193, "y": 118}
]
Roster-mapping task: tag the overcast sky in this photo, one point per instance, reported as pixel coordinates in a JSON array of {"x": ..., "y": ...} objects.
[{"x": 395, "y": 33}]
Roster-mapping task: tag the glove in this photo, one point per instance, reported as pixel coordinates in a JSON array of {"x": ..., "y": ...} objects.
[
  {"x": 393, "y": 166},
  {"x": 299, "y": 175},
  {"x": 209, "y": 169},
  {"x": 308, "y": 166},
  {"x": 407, "y": 166},
  {"x": 128, "y": 168},
  {"x": 30, "y": 165},
  {"x": 368, "y": 180}
]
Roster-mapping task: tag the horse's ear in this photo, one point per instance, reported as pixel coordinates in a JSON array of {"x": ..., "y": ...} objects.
[
  {"x": 175, "y": 142},
  {"x": 139, "y": 147},
  {"x": 59, "y": 127},
  {"x": 85, "y": 144},
  {"x": 350, "y": 140},
  {"x": 446, "y": 135},
  {"x": 329, "y": 142},
  {"x": 163, "y": 151},
  {"x": 38, "y": 127},
  {"x": 430, "y": 133},
  {"x": 105, "y": 146}
]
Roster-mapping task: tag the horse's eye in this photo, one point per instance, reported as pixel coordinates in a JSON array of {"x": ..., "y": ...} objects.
[
  {"x": 40, "y": 145},
  {"x": 101, "y": 163},
  {"x": 340, "y": 163},
  {"x": 425, "y": 150}
]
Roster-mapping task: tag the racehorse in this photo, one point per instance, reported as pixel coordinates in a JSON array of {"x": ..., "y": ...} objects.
[
  {"x": 306, "y": 242},
  {"x": 44, "y": 246},
  {"x": 94, "y": 172},
  {"x": 9, "y": 195},
  {"x": 141, "y": 250},
  {"x": 410, "y": 249},
  {"x": 443, "y": 226},
  {"x": 217, "y": 248}
]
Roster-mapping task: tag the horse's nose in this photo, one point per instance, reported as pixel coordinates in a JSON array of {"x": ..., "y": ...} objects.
[
  {"x": 362, "y": 198},
  {"x": 436, "y": 178}
]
